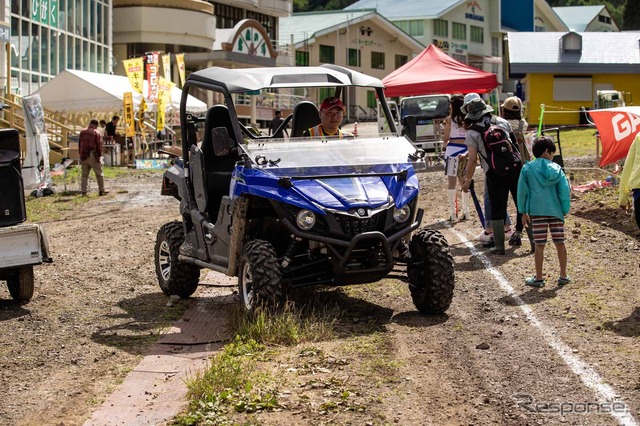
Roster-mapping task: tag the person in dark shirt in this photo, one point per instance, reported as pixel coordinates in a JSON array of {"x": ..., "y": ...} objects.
[
  {"x": 111, "y": 129},
  {"x": 275, "y": 123},
  {"x": 90, "y": 149}
]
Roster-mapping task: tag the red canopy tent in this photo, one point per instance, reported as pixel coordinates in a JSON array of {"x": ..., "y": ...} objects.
[{"x": 433, "y": 71}]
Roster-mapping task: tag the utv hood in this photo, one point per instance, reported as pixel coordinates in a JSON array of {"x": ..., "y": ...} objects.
[{"x": 337, "y": 175}]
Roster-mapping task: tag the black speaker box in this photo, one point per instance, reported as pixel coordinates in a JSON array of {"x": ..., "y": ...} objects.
[{"x": 12, "y": 206}]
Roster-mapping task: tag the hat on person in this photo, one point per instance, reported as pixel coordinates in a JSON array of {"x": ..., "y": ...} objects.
[
  {"x": 468, "y": 98},
  {"x": 476, "y": 109},
  {"x": 512, "y": 103},
  {"x": 332, "y": 102}
]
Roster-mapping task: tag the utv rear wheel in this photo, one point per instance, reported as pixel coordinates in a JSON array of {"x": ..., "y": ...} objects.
[
  {"x": 21, "y": 285},
  {"x": 260, "y": 278},
  {"x": 431, "y": 272},
  {"x": 174, "y": 276}
]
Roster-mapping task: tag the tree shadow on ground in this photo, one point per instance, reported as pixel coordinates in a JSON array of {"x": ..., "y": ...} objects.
[
  {"x": 140, "y": 324},
  {"x": 628, "y": 327}
]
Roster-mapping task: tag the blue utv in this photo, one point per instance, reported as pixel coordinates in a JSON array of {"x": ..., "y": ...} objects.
[{"x": 281, "y": 214}]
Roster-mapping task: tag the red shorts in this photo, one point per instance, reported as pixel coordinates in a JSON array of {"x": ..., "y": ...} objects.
[{"x": 540, "y": 225}]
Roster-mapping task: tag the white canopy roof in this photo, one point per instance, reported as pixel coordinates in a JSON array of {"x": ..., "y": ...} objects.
[{"x": 83, "y": 91}]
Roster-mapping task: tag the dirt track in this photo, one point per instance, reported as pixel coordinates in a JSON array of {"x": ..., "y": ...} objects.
[{"x": 497, "y": 357}]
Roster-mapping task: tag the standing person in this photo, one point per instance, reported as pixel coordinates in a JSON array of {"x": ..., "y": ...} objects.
[
  {"x": 630, "y": 180},
  {"x": 90, "y": 147},
  {"x": 111, "y": 129},
  {"x": 331, "y": 112},
  {"x": 275, "y": 123},
  {"x": 455, "y": 155},
  {"x": 487, "y": 234},
  {"x": 544, "y": 198},
  {"x": 102, "y": 129},
  {"x": 511, "y": 110},
  {"x": 480, "y": 116}
]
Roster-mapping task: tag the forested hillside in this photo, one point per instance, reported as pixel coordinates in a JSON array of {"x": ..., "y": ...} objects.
[{"x": 628, "y": 19}]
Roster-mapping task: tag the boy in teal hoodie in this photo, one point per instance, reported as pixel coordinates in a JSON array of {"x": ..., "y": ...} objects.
[{"x": 544, "y": 199}]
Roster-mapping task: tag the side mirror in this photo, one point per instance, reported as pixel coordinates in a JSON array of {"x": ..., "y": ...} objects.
[
  {"x": 409, "y": 127},
  {"x": 222, "y": 143}
]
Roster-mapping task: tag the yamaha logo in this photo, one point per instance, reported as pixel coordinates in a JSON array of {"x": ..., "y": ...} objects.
[{"x": 361, "y": 212}]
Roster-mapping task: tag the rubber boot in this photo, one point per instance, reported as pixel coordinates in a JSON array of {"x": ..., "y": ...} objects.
[
  {"x": 465, "y": 206},
  {"x": 452, "y": 204},
  {"x": 530, "y": 235},
  {"x": 498, "y": 237}
]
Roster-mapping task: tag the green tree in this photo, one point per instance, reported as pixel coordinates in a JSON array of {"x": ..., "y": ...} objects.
[{"x": 631, "y": 16}]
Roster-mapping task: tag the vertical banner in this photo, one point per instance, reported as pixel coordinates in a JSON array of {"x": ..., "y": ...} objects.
[
  {"x": 164, "y": 98},
  {"x": 166, "y": 65},
  {"x": 128, "y": 115},
  {"x": 180, "y": 62},
  {"x": 37, "y": 144},
  {"x": 153, "y": 69},
  {"x": 135, "y": 72},
  {"x": 162, "y": 106}
]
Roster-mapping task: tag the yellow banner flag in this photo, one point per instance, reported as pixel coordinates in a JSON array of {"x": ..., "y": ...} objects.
[
  {"x": 128, "y": 114},
  {"x": 181, "y": 71},
  {"x": 166, "y": 65},
  {"x": 166, "y": 86},
  {"x": 162, "y": 105},
  {"x": 135, "y": 71}
]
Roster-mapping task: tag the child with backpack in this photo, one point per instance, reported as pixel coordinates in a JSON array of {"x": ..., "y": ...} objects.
[{"x": 544, "y": 199}]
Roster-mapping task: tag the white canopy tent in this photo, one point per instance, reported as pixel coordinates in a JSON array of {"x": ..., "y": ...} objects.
[{"x": 75, "y": 91}]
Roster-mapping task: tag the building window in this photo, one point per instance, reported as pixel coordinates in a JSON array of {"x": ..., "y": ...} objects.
[
  {"x": 477, "y": 34},
  {"x": 371, "y": 99},
  {"x": 459, "y": 31},
  {"x": 325, "y": 92},
  {"x": 572, "y": 88},
  {"x": 401, "y": 60},
  {"x": 227, "y": 16},
  {"x": 327, "y": 54},
  {"x": 414, "y": 27},
  {"x": 302, "y": 58},
  {"x": 495, "y": 46},
  {"x": 440, "y": 28},
  {"x": 354, "y": 58},
  {"x": 377, "y": 60},
  {"x": 604, "y": 19},
  {"x": 461, "y": 58},
  {"x": 268, "y": 22}
]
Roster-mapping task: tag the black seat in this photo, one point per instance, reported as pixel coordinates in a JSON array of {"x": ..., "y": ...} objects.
[
  {"x": 305, "y": 115},
  {"x": 217, "y": 169}
]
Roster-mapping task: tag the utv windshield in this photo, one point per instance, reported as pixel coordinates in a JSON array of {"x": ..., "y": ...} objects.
[{"x": 304, "y": 157}]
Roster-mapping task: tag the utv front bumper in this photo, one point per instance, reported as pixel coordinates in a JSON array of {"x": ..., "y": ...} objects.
[{"x": 347, "y": 268}]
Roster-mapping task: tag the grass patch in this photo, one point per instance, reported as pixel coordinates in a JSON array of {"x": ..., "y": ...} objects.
[
  {"x": 290, "y": 326},
  {"x": 52, "y": 207},
  {"x": 577, "y": 142},
  {"x": 233, "y": 384}
]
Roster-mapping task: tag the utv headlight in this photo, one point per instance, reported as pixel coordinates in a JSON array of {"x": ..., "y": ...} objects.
[
  {"x": 402, "y": 214},
  {"x": 305, "y": 219}
]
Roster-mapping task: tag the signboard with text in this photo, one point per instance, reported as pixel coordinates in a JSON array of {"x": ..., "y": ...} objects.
[{"x": 45, "y": 12}]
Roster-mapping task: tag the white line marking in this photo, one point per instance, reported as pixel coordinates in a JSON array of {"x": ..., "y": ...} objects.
[{"x": 580, "y": 368}]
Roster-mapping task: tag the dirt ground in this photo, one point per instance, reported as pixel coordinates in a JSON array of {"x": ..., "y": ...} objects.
[{"x": 503, "y": 353}]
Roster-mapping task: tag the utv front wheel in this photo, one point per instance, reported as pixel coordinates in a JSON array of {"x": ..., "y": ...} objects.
[
  {"x": 21, "y": 285},
  {"x": 174, "y": 276},
  {"x": 431, "y": 272},
  {"x": 260, "y": 278}
]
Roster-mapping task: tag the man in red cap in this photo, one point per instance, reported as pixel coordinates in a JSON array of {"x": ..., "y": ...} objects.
[{"x": 331, "y": 112}]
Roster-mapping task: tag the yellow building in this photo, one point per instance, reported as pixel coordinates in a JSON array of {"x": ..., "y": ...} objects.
[{"x": 565, "y": 71}]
